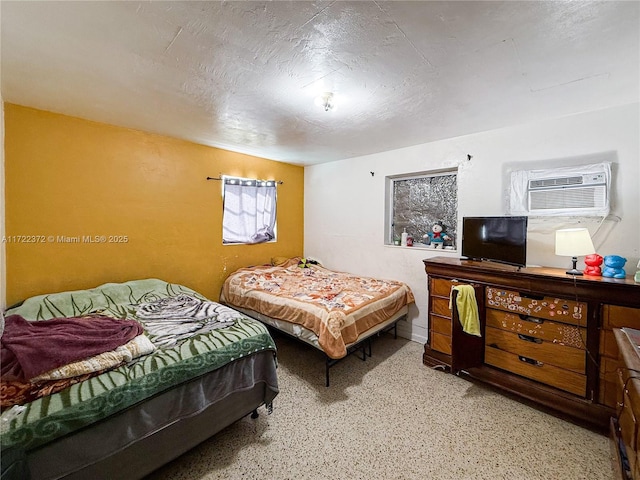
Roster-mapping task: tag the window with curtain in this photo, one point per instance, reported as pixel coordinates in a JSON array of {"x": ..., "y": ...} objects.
[{"x": 249, "y": 214}]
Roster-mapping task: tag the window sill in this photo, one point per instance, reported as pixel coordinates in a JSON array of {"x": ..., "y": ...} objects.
[{"x": 421, "y": 246}]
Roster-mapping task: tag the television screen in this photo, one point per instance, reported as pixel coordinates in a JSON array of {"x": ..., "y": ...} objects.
[{"x": 499, "y": 239}]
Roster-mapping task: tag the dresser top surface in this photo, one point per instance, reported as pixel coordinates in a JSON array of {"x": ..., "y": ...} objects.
[
  {"x": 538, "y": 280},
  {"x": 498, "y": 268}
]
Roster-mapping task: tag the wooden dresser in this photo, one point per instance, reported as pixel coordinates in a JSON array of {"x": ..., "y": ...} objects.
[
  {"x": 624, "y": 426},
  {"x": 546, "y": 336}
]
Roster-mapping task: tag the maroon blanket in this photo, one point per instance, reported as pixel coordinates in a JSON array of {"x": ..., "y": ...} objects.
[{"x": 31, "y": 348}]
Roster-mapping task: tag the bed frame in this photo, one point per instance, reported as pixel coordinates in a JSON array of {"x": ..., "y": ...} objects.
[
  {"x": 139, "y": 440},
  {"x": 362, "y": 344}
]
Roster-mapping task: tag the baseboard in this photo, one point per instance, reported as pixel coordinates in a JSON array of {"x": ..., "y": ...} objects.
[{"x": 407, "y": 333}]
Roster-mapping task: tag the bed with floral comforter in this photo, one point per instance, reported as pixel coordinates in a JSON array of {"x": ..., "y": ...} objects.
[{"x": 338, "y": 307}]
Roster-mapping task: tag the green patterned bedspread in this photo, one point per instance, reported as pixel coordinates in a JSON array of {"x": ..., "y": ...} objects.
[{"x": 196, "y": 336}]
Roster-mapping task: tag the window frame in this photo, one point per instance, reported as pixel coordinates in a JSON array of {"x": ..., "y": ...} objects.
[
  {"x": 390, "y": 182},
  {"x": 249, "y": 182}
]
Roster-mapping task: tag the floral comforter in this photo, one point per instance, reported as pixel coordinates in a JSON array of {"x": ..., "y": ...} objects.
[{"x": 338, "y": 307}]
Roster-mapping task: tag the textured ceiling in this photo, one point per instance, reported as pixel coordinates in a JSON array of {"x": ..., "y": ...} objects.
[{"x": 243, "y": 75}]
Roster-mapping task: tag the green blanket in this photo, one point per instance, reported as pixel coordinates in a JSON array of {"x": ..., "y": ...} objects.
[{"x": 195, "y": 336}]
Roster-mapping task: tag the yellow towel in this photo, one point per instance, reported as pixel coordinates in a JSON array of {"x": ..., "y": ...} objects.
[{"x": 467, "y": 309}]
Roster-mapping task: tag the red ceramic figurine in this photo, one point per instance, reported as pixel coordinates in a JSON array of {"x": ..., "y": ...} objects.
[{"x": 593, "y": 263}]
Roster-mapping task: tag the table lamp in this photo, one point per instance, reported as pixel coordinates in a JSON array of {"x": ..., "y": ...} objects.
[{"x": 574, "y": 242}]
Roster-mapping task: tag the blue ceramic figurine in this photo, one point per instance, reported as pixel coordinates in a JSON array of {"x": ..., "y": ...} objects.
[{"x": 613, "y": 266}]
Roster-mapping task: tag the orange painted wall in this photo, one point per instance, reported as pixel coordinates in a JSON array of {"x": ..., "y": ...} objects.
[{"x": 68, "y": 177}]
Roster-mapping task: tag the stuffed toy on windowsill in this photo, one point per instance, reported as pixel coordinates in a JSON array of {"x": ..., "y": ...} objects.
[{"x": 436, "y": 237}]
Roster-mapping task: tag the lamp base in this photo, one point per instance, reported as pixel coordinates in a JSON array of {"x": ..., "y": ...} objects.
[{"x": 574, "y": 270}]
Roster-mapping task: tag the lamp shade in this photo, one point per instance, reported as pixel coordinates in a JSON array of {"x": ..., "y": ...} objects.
[{"x": 574, "y": 242}]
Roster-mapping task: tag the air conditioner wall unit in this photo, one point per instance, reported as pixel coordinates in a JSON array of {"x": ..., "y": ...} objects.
[{"x": 581, "y": 190}]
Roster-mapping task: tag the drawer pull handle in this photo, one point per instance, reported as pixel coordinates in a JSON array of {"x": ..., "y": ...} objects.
[
  {"x": 530, "y": 361},
  {"x": 528, "y": 338},
  {"x": 531, "y": 319}
]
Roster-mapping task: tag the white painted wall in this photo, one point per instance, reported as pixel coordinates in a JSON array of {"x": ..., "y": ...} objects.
[{"x": 344, "y": 203}]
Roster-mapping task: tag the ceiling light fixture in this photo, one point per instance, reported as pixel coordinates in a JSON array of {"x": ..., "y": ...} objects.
[{"x": 326, "y": 101}]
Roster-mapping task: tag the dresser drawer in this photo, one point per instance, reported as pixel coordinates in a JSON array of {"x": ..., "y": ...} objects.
[
  {"x": 627, "y": 413},
  {"x": 629, "y": 429},
  {"x": 441, "y": 287},
  {"x": 608, "y": 345},
  {"x": 440, "y": 343},
  {"x": 440, "y": 306},
  {"x": 628, "y": 384},
  {"x": 560, "y": 378},
  {"x": 549, "y": 308},
  {"x": 548, "y": 353},
  {"x": 610, "y": 384},
  {"x": 546, "y": 330},
  {"x": 615, "y": 316},
  {"x": 440, "y": 325}
]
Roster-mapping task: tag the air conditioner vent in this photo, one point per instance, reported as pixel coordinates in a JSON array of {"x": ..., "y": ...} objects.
[
  {"x": 568, "y": 198},
  {"x": 555, "y": 182},
  {"x": 580, "y": 190}
]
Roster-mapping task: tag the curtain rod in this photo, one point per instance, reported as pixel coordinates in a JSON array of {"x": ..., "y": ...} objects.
[{"x": 279, "y": 182}]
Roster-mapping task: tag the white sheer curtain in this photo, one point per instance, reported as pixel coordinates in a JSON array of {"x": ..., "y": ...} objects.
[{"x": 249, "y": 211}]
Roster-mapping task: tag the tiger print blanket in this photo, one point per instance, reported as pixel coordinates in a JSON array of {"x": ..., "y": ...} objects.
[
  {"x": 172, "y": 319},
  {"x": 190, "y": 337}
]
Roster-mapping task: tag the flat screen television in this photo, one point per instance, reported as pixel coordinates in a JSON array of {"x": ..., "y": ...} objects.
[{"x": 497, "y": 239}]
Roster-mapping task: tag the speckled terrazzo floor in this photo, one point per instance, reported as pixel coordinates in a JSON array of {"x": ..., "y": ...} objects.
[{"x": 391, "y": 418}]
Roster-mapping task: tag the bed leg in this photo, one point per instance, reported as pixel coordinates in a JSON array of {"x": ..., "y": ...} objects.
[
  {"x": 255, "y": 414},
  {"x": 326, "y": 372},
  {"x": 369, "y": 345}
]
